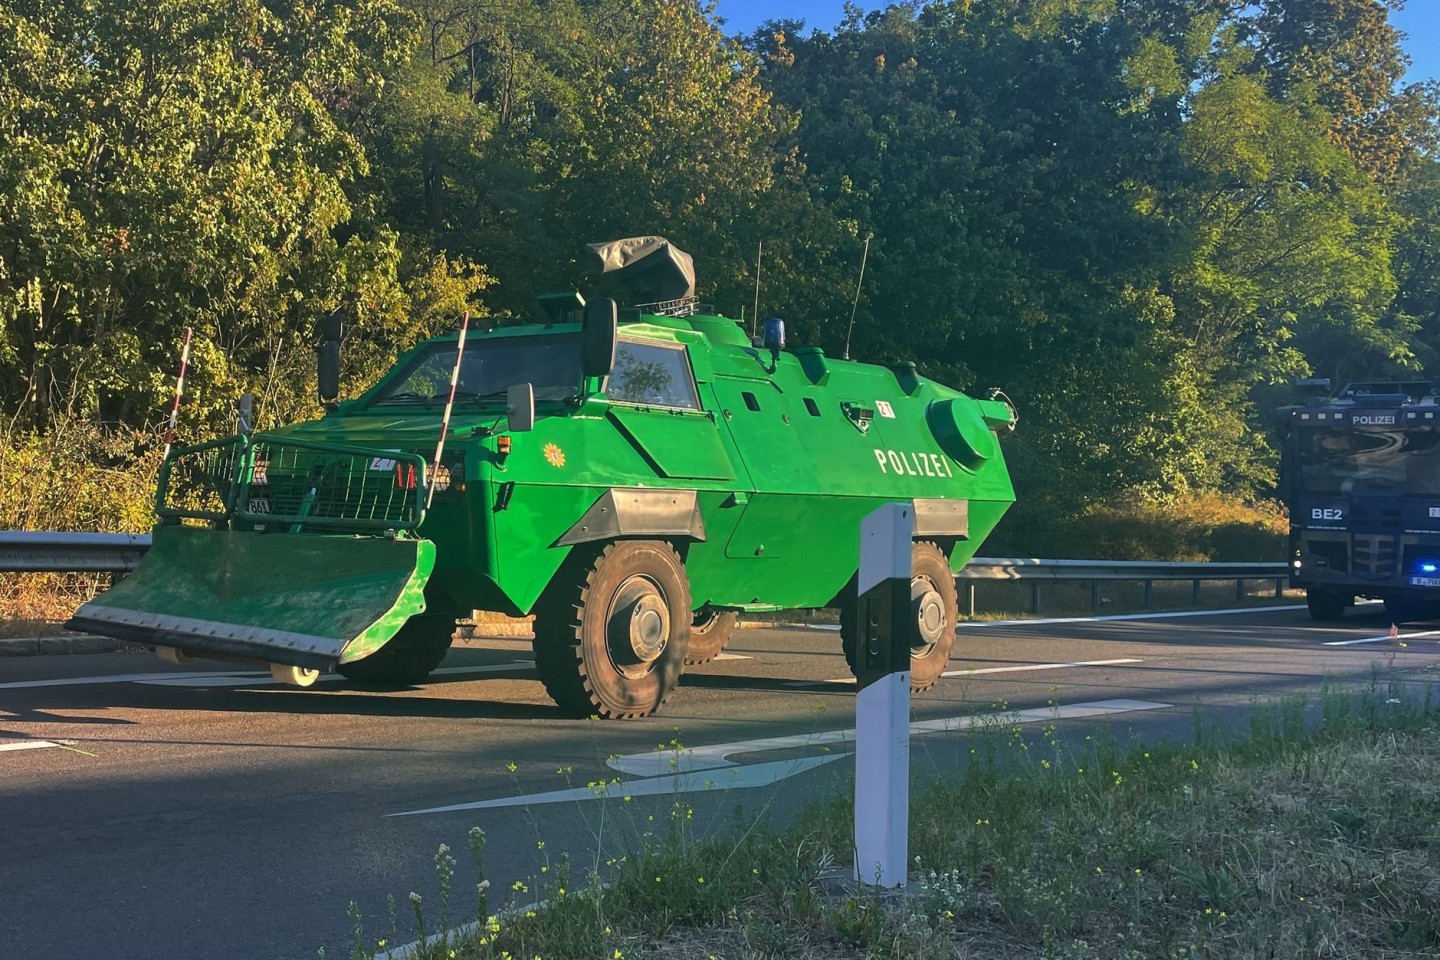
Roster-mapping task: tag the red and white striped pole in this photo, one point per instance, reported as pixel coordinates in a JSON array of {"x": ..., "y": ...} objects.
[
  {"x": 179, "y": 389},
  {"x": 449, "y": 405}
]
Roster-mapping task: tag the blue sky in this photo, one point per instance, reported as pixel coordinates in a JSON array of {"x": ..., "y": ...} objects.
[{"x": 1421, "y": 20}]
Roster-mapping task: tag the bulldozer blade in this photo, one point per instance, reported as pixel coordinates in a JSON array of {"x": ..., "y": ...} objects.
[{"x": 308, "y": 600}]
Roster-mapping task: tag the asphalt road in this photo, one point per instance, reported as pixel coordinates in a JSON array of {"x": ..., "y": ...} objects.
[{"x": 171, "y": 813}]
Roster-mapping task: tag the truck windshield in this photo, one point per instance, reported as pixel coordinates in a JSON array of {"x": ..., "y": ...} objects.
[
  {"x": 1340, "y": 460},
  {"x": 489, "y": 368}
]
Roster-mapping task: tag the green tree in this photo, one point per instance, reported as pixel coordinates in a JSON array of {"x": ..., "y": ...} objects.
[
  {"x": 179, "y": 164},
  {"x": 1345, "y": 56}
]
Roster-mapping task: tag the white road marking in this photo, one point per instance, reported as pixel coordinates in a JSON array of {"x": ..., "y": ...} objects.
[
  {"x": 804, "y": 684},
  {"x": 1169, "y": 615},
  {"x": 695, "y": 769},
  {"x": 1040, "y": 666},
  {"x": 229, "y": 678},
  {"x": 1382, "y": 639},
  {"x": 222, "y": 680},
  {"x": 265, "y": 680},
  {"x": 113, "y": 678},
  {"x": 731, "y": 656},
  {"x": 736, "y": 778},
  {"x": 33, "y": 745},
  {"x": 483, "y": 668},
  {"x": 717, "y": 755},
  {"x": 1040, "y": 622}
]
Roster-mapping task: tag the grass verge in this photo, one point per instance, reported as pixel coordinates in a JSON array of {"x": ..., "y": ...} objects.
[{"x": 1314, "y": 833}]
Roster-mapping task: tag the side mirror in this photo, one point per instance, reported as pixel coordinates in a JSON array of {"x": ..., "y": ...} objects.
[
  {"x": 329, "y": 370},
  {"x": 598, "y": 336},
  {"x": 327, "y": 357},
  {"x": 520, "y": 405}
]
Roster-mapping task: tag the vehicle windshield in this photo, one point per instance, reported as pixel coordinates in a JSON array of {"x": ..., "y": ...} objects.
[
  {"x": 488, "y": 369},
  {"x": 1341, "y": 460}
]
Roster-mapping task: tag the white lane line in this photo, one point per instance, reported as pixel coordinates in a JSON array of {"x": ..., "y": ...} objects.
[
  {"x": 1041, "y": 666},
  {"x": 483, "y": 668},
  {"x": 1040, "y": 622},
  {"x": 695, "y": 769},
  {"x": 32, "y": 745},
  {"x": 1170, "y": 615},
  {"x": 113, "y": 678},
  {"x": 265, "y": 680},
  {"x": 1383, "y": 639},
  {"x": 803, "y": 684},
  {"x": 227, "y": 678},
  {"x": 717, "y": 755},
  {"x": 735, "y": 778},
  {"x": 731, "y": 656}
]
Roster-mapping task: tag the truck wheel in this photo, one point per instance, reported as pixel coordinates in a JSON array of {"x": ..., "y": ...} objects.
[
  {"x": 409, "y": 656},
  {"x": 612, "y": 632},
  {"x": 1406, "y": 611},
  {"x": 709, "y": 632},
  {"x": 935, "y": 610},
  {"x": 1324, "y": 605}
]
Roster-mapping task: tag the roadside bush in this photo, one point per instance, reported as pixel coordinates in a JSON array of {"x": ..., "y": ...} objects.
[
  {"x": 78, "y": 476},
  {"x": 1203, "y": 526}
]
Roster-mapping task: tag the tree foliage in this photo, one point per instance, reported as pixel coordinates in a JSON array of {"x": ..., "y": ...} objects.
[{"x": 1135, "y": 216}]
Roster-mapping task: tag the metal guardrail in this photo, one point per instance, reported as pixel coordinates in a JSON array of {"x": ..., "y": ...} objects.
[
  {"x": 50, "y": 552},
  {"x": 25, "y": 551},
  {"x": 1097, "y": 572},
  {"x": 986, "y": 568}
]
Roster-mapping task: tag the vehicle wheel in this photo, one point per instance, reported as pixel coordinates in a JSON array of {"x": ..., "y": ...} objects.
[
  {"x": 1324, "y": 605},
  {"x": 174, "y": 655},
  {"x": 935, "y": 610},
  {"x": 611, "y": 633},
  {"x": 293, "y": 675},
  {"x": 1407, "y": 611},
  {"x": 409, "y": 656},
  {"x": 709, "y": 632}
]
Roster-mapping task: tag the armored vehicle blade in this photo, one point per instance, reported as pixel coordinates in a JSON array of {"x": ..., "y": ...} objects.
[{"x": 307, "y": 600}]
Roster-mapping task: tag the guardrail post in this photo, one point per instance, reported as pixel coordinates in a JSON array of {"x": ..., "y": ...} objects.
[
  {"x": 1195, "y": 593},
  {"x": 1239, "y": 590},
  {"x": 882, "y": 698},
  {"x": 1035, "y": 597},
  {"x": 1279, "y": 588},
  {"x": 1149, "y": 592},
  {"x": 1094, "y": 596},
  {"x": 969, "y": 610}
]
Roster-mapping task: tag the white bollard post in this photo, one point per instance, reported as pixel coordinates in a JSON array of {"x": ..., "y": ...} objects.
[{"x": 882, "y": 702}]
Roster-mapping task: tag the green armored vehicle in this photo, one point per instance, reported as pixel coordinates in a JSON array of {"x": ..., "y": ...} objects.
[{"x": 634, "y": 477}]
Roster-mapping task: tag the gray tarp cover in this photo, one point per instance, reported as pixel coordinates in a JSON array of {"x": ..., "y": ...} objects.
[{"x": 653, "y": 267}]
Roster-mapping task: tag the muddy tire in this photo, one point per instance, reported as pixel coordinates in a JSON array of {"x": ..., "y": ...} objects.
[
  {"x": 709, "y": 632},
  {"x": 613, "y": 629},
  {"x": 1325, "y": 606},
  {"x": 935, "y": 610},
  {"x": 408, "y": 658}
]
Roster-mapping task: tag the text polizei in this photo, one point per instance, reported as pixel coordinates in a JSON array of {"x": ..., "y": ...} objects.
[{"x": 915, "y": 463}]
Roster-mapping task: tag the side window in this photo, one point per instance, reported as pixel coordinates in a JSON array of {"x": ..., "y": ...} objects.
[{"x": 652, "y": 373}]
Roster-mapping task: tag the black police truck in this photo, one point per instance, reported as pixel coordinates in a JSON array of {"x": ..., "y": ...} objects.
[{"x": 1360, "y": 474}]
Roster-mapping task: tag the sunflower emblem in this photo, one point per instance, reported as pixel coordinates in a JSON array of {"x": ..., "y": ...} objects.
[{"x": 555, "y": 455}]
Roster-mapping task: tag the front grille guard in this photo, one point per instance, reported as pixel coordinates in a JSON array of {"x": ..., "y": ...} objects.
[{"x": 273, "y": 483}]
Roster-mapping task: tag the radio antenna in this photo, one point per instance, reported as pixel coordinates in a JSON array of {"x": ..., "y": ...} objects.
[
  {"x": 864, "y": 256},
  {"x": 759, "y": 251}
]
